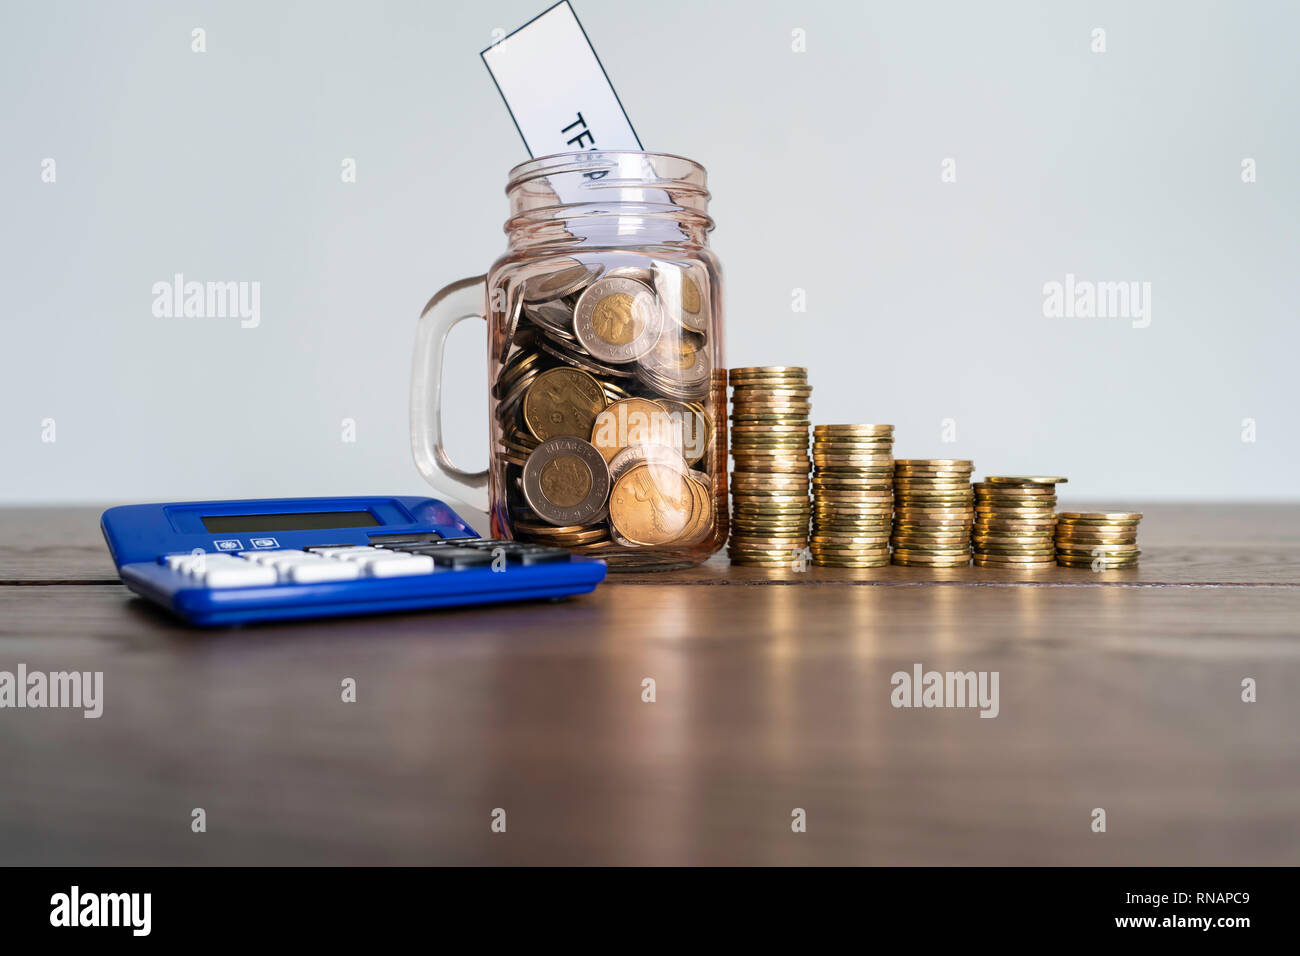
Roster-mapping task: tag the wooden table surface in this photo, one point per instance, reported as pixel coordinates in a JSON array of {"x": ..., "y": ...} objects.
[{"x": 1119, "y": 690}]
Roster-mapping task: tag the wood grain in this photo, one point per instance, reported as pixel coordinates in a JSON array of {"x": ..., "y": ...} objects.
[
  {"x": 768, "y": 698},
  {"x": 1182, "y": 544}
]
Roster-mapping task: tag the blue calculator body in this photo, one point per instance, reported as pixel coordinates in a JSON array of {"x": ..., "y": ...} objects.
[{"x": 234, "y": 562}]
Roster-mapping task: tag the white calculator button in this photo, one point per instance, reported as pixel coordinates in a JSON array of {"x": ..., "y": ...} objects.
[
  {"x": 362, "y": 554},
  {"x": 240, "y": 574},
  {"x": 339, "y": 550},
  {"x": 312, "y": 572},
  {"x": 400, "y": 565},
  {"x": 197, "y": 564},
  {"x": 275, "y": 557}
]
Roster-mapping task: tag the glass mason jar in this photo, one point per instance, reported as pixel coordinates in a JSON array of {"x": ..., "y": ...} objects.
[{"x": 607, "y": 387}]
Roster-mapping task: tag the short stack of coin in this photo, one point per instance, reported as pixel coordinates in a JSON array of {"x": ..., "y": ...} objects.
[
  {"x": 1101, "y": 540},
  {"x": 853, "y": 495},
  {"x": 769, "y": 451},
  {"x": 933, "y": 511},
  {"x": 1015, "y": 516}
]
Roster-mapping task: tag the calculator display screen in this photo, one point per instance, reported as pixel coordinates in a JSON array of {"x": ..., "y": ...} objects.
[{"x": 300, "y": 521}]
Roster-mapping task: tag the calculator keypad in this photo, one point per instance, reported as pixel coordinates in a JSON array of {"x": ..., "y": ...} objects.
[{"x": 402, "y": 556}]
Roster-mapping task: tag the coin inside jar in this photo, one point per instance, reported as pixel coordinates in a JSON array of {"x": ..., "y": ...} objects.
[
  {"x": 557, "y": 283},
  {"x": 634, "y": 455},
  {"x": 681, "y": 297},
  {"x": 617, "y": 319},
  {"x": 633, "y": 421},
  {"x": 652, "y": 504},
  {"x": 566, "y": 481},
  {"x": 563, "y": 401},
  {"x": 696, "y": 427}
]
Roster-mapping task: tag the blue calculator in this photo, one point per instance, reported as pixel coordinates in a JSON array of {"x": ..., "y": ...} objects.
[{"x": 233, "y": 562}]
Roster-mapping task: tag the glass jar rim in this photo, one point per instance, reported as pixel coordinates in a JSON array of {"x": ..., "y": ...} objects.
[{"x": 580, "y": 160}]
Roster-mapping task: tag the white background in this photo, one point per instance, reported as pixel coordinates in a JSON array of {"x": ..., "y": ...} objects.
[{"x": 924, "y": 299}]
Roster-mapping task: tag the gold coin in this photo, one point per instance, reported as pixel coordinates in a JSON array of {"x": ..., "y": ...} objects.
[
  {"x": 855, "y": 494},
  {"x": 1025, "y": 480},
  {"x": 931, "y": 560},
  {"x": 850, "y": 538},
  {"x": 788, "y": 530},
  {"x": 695, "y": 429},
  {"x": 1085, "y": 517},
  {"x": 691, "y": 300},
  {"x": 779, "y": 466},
  {"x": 946, "y": 526},
  {"x": 563, "y": 402},
  {"x": 762, "y": 370},
  {"x": 855, "y": 429},
  {"x": 913, "y": 497},
  {"x": 632, "y": 421},
  {"x": 1012, "y": 540},
  {"x": 822, "y": 506},
  {"x": 1019, "y": 550},
  {"x": 1107, "y": 564},
  {"x": 825, "y": 561},
  {"x": 788, "y": 432},
  {"x": 702, "y": 513},
  {"x": 651, "y": 504},
  {"x": 861, "y": 543},
  {"x": 547, "y": 529},
  {"x": 1093, "y": 533},
  {"x": 1018, "y": 491},
  {"x": 1084, "y": 543},
  {"x": 853, "y": 441},
  {"x": 865, "y": 482},
  {"x": 850, "y": 528},
  {"x": 1094, "y": 549},
  {"x": 844, "y": 461},
  {"x": 1013, "y": 560}
]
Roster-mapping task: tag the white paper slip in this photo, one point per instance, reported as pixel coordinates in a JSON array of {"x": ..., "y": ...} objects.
[{"x": 556, "y": 89}]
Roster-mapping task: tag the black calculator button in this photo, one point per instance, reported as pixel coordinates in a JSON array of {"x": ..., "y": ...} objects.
[
  {"x": 412, "y": 537},
  {"x": 533, "y": 556},
  {"x": 459, "y": 558}
]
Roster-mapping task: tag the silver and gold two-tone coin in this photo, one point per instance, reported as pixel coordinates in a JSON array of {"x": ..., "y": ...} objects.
[
  {"x": 617, "y": 319},
  {"x": 566, "y": 482}
]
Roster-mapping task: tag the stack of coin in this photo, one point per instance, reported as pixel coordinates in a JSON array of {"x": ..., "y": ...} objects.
[
  {"x": 769, "y": 448},
  {"x": 853, "y": 495},
  {"x": 933, "y": 510},
  {"x": 1100, "y": 540},
  {"x": 1014, "y": 519}
]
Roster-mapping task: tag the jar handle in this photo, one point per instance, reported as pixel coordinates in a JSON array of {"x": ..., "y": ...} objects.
[{"x": 452, "y": 304}]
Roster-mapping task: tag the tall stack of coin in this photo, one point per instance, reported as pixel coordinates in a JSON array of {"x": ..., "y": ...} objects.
[
  {"x": 853, "y": 495},
  {"x": 1101, "y": 540},
  {"x": 769, "y": 449},
  {"x": 1015, "y": 516},
  {"x": 933, "y": 511}
]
